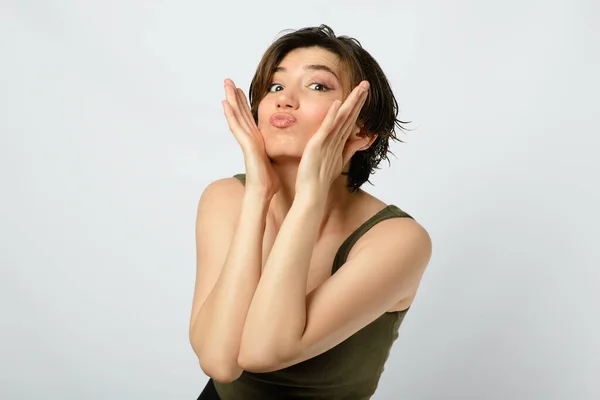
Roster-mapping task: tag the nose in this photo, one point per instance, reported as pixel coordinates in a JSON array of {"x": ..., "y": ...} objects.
[{"x": 287, "y": 99}]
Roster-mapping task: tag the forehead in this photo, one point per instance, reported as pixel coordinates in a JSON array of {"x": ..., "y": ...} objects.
[{"x": 297, "y": 58}]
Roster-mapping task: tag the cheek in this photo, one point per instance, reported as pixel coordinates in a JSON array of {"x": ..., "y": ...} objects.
[{"x": 319, "y": 111}]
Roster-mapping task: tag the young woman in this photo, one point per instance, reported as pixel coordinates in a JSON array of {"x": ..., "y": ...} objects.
[{"x": 303, "y": 278}]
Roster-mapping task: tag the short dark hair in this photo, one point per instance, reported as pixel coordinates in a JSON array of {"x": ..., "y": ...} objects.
[{"x": 380, "y": 111}]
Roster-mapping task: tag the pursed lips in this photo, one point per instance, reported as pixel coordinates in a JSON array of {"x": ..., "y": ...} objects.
[{"x": 282, "y": 120}]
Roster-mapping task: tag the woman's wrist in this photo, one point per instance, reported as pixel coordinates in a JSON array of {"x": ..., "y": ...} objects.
[{"x": 256, "y": 198}]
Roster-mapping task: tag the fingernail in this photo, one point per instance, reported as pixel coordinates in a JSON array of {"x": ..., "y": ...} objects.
[{"x": 365, "y": 86}]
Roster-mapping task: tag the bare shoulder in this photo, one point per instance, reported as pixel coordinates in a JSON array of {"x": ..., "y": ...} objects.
[
  {"x": 398, "y": 245},
  {"x": 401, "y": 231},
  {"x": 226, "y": 189},
  {"x": 396, "y": 241},
  {"x": 391, "y": 230},
  {"x": 223, "y": 196}
]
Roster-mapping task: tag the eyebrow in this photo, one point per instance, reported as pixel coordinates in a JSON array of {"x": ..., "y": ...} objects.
[{"x": 312, "y": 67}]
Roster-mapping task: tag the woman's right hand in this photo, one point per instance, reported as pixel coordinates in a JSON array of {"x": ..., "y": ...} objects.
[{"x": 260, "y": 174}]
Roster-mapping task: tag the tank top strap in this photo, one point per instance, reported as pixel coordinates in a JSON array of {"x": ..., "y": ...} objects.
[
  {"x": 241, "y": 178},
  {"x": 391, "y": 211}
]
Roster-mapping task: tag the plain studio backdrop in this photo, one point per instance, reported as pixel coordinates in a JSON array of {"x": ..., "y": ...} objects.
[{"x": 111, "y": 127}]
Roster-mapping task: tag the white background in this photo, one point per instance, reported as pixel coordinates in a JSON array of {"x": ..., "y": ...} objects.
[{"x": 111, "y": 127}]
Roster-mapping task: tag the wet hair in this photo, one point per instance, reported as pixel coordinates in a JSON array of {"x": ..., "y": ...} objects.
[{"x": 380, "y": 111}]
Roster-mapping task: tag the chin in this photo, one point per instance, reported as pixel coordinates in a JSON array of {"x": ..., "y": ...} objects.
[{"x": 282, "y": 145}]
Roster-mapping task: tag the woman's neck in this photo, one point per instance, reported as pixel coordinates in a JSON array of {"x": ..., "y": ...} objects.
[{"x": 337, "y": 206}]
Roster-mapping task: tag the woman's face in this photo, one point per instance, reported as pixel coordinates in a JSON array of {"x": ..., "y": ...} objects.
[{"x": 305, "y": 84}]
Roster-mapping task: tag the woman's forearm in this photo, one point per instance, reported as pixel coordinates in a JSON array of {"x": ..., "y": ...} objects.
[
  {"x": 277, "y": 315},
  {"x": 220, "y": 322}
]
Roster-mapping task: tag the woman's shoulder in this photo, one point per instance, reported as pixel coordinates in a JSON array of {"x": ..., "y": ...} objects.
[
  {"x": 224, "y": 192},
  {"x": 227, "y": 185},
  {"x": 386, "y": 220},
  {"x": 373, "y": 206}
]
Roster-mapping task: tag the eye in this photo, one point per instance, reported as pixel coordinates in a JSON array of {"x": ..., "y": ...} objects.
[
  {"x": 319, "y": 87},
  {"x": 275, "y": 87}
]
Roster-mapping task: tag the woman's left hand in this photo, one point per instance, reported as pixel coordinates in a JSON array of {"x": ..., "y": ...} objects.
[{"x": 328, "y": 150}]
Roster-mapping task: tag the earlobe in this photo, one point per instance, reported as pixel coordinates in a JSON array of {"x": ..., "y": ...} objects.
[
  {"x": 363, "y": 143},
  {"x": 366, "y": 145},
  {"x": 368, "y": 140}
]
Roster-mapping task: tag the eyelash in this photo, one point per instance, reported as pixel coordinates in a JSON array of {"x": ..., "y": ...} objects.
[{"x": 325, "y": 87}]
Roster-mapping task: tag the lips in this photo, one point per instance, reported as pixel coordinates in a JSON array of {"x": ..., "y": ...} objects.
[{"x": 282, "y": 120}]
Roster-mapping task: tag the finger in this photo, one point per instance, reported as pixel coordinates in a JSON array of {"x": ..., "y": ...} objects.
[
  {"x": 349, "y": 126},
  {"x": 350, "y": 101},
  {"x": 232, "y": 121},
  {"x": 347, "y": 107},
  {"x": 349, "y": 150},
  {"x": 242, "y": 104},
  {"x": 230, "y": 95},
  {"x": 329, "y": 120},
  {"x": 245, "y": 110},
  {"x": 248, "y": 110},
  {"x": 349, "y": 123}
]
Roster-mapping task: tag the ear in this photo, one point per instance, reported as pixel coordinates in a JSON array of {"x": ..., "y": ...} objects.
[
  {"x": 358, "y": 141},
  {"x": 361, "y": 138}
]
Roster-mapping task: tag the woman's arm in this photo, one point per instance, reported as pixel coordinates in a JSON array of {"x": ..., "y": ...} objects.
[
  {"x": 284, "y": 326},
  {"x": 277, "y": 315},
  {"x": 229, "y": 250},
  {"x": 229, "y": 261}
]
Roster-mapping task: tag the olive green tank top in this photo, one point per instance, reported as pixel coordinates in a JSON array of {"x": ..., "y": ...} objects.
[{"x": 348, "y": 371}]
